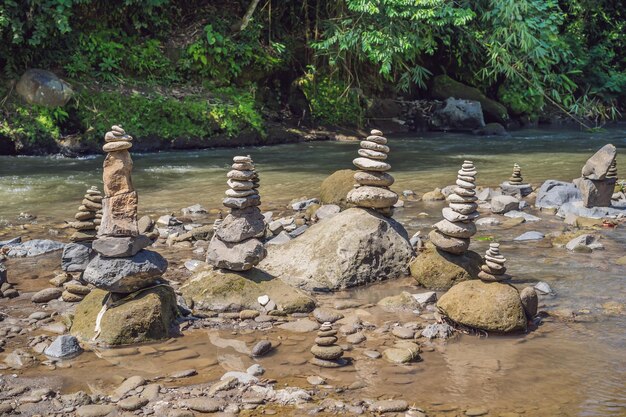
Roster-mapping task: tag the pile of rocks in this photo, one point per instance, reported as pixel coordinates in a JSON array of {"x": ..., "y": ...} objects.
[
  {"x": 236, "y": 244},
  {"x": 595, "y": 184},
  {"x": 493, "y": 270},
  {"x": 327, "y": 353},
  {"x": 516, "y": 183},
  {"x": 88, "y": 217},
  {"x": 372, "y": 181},
  {"x": 453, "y": 233}
]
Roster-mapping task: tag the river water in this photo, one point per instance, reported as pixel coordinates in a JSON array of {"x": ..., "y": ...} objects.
[{"x": 568, "y": 366}]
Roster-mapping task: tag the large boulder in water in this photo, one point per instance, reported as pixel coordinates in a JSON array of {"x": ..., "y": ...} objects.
[
  {"x": 458, "y": 115},
  {"x": 223, "y": 290},
  {"x": 335, "y": 188},
  {"x": 145, "y": 317},
  {"x": 598, "y": 165},
  {"x": 490, "y": 306},
  {"x": 43, "y": 88},
  {"x": 553, "y": 194},
  {"x": 355, "y": 247},
  {"x": 439, "y": 270}
]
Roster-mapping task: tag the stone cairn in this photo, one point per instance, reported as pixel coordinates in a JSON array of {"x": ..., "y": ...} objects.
[
  {"x": 88, "y": 217},
  {"x": 327, "y": 353},
  {"x": 121, "y": 265},
  {"x": 516, "y": 177},
  {"x": 516, "y": 183},
  {"x": 493, "y": 270},
  {"x": 372, "y": 181},
  {"x": 236, "y": 245},
  {"x": 453, "y": 233},
  {"x": 596, "y": 183},
  {"x": 612, "y": 172}
]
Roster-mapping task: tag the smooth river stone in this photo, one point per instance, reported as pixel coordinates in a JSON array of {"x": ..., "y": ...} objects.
[
  {"x": 243, "y": 166},
  {"x": 94, "y": 198},
  {"x": 85, "y": 215},
  {"x": 453, "y": 216},
  {"x": 325, "y": 341},
  {"x": 371, "y": 165},
  {"x": 366, "y": 153},
  {"x": 373, "y": 146},
  {"x": 458, "y": 229},
  {"x": 327, "y": 352},
  {"x": 466, "y": 178},
  {"x": 240, "y": 225},
  {"x": 467, "y": 173},
  {"x": 494, "y": 266},
  {"x": 377, "y": 139},
  {"x": 458, "y": 199},
  {"x": 487, "y": 277},
  {"x": 243, "y": 202},
  {"x": 241, "y": 175},
  {"x": 113, "y": 137},
  {"x": 449, "y": 244},
  {"x": 496, "y": 259},
  {"x": 119, "y": 215},
  {"x": 464, "y": 208},
  {"x": 465, "y": 184},
  {"x": 91, "y": 205},
  {"x": 240, "y": 185},
  {"x": 467, "y": 165},
  {"x": 495, "y": 271},
  {"x": 372, "y": 197},
  {"x": 464, "y": 192},
  {"x": 116, "y": 174},
  {"x": 118, "y": 129},
  {"x": 380, "y": 179},
  {"x": 242, "y": 159},
  {"x": 82, "y": 225},
  {"x": 239, "y": 194},
  {"x": 116, "y": 146}
]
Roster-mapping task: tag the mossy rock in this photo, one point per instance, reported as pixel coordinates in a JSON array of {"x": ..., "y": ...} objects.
[
  {"x": 438, "y": 270},
  {"x": 335, "y": 188},
  {"x": 222, "y": 290},
  {"x": 148, "y": 317},
  {"x": 444, "y": 87}
]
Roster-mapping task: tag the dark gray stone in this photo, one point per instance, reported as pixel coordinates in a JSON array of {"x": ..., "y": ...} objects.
[
  {"x": 76, "y": 257},
  {"x": 34, "y": 247},
  {"x": 125, "y": 275},
  {"x": 242, "y": 224},
  {"x": 240, "y": 256},
  {"x": 120, "y": 247},
  {"x": 64, "y": 347},
  {"x": 44, "y": 88},
  {"x": 553, "y": 194},
  {"x": 596, "y": 193},
  {"x": 261, "y": 348},
  {"x": 3, "y": 273},
  {"x": 458, "y": 115}
]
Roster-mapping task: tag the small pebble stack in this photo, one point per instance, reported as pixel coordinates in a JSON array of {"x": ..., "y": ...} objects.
[
  {"x": 88, "y": 217},
  {"x": 236, "y": 245},
  {"x": 493, "y": 270},
  {"x": 453, "y": 233},
  {"x": 372, "y": 181},
  {"x": 516, "y": 178},
  {"x": 327, "y": 353},
  {"x": 612, "y": 172}
]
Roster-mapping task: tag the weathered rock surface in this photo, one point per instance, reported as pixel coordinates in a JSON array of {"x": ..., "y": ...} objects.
[
  {"x": 335, "y": 254},
  {"x": 242, "y": 224},
  {"x": 438, "y": 270},
  {"x": 595, "y": 193},
  {"x": 492, "y": 306},
  {"x": 120, "y": 246},
  {"x": 240, "y": 256},
  {"x": 530, "y": 301},
  {"x": 335, "y": 188},
  {"x": 598, "y": 165},
  {"x": 119, "y": 216},
  {"x": 64, "y": 347},
  {"x": 503, "y": 204},
  {"x": 458, "y": 114},
  {"x": 76, "y": 257},
  {"x": 235, "y": 291},
  {"x": 147, "y": 317},
  {"x": 34, "y": 247},
  {"x": 43, "y": 88},
  {"x": 553, "y": 194}
]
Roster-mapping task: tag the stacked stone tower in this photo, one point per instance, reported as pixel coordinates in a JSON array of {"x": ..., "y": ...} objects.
[
  {"x": 516, "y": 183},
  {"x": 236, "y": 245},
  {"x": 493, "y": 270},
  {"x": 597, "y": 182},
  {"x": 88, "y": 217},
  {"x": 372, "y": 181},
  {"x": 453, "y": 233},
  {"x": 327, "y": 353},
  {"x": 516, "y": 177},
  {"x": 612, "y": 173}
]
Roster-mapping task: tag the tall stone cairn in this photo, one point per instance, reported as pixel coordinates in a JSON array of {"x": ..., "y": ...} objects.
[
  {"x": 236, "y": 245},
  {"x": 88, "y": 217},
  {"x": 453, "y": 233},
  {"x": 493, "y": 270},
  {"x": 612, "y": 173},
  {"x": 327, "y": 353},
  {"x": 597, "y": 182},
  {"x": 516, "y": 177},
  {"x": 372, "y": 181}
]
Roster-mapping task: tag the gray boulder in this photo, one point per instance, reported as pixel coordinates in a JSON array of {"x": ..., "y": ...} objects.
[
  {"x": 125, "y": 275},
  {"x": 553, "y": 194},
  {"x": 11, "y": 242},
  {"x": 64, "y": 347},
  {"x": 240, "y": 256},
  {"x": 43, "y": 88},
  {"x": 242, "y": 224},
  {"x": 596, "y": 193},
  {"x": 578, "y": 209},
  {"x": 504, "y": 203},
  {"x": 354, "y": 247},
  {"x": 34, "y": 247},
  {"x": 458, "y": 115},
  {"x": 598, "y": 165},
  {"x": 120, "y": 246},
  {"x": 76, "y": 257}
]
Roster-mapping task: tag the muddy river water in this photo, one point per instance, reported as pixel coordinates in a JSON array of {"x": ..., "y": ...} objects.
[{"x": 573, "y": 364}]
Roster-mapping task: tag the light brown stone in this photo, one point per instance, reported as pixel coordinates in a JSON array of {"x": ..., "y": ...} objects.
[
  {"x": 119, "y": 215},
  {"x": 116, "y": 175}
]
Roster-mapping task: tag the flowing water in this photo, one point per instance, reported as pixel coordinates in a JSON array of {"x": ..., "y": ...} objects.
[{"x": 574, "y": 366}]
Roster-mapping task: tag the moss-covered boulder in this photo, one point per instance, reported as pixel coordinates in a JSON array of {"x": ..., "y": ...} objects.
[
  {"x": 438, "y": 270},
  {"x": 335, "y": 188},
  {"x": 444, "y": 87},
  {"x": 490, "y": 306},
  {"x": 222, "y": 290},
  {"x": 146, "y": 317}
]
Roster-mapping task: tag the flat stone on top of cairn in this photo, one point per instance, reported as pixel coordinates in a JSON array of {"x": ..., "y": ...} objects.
[
  {"x": 452, "y": 234},
  {"x": 327, "y": 353},
  {"x": 372, "y": 180},
  {"x": 88, "y": 217},
  {"x": 493, "y": 270},
  {"x": 236, "y": 245}
]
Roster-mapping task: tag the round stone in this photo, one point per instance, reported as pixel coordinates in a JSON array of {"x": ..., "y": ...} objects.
[
  {"x": 449, "y": 244},
  {"x": 337, "y": 363},
  {"x": 380, "y": 179},
  {"x": 467, "y": 172},
  {"x": 464, "y": 192},
  {"x": 496, "y": 259},
  {"x": 372, "y": 197},
  {"x": 494, "y": 271},
  {"x": 377, "y": 139},
  {"x": 325, "y": 341},
  {"x": 453, "y": 216},
  {"x": 113, "y": 137},
  {"x": 243, "y": 166},
  {"x": 242, "y": 159},
  {"x": 326, "y": 333},
  {"x": 371, "y": 165},
  {"x": 373, "y": 146},
  {"x": 465, "y": 184},
  {"x": 466, "y": 178},
  {"x": 238, "y": 194},
  {"x": 458, "y": 199},
  {"x": 366, "y": 153},
  {"x": 464, "y": 208},
  {"x": 492, "y": 278},
  {"x": 93, "y": 191},
  {"x": 82, "y": 225},
  {"x": 458, "y": 229},
  {"x": 94, "y": 198},
  {"x": 240, "y": 185},
  {"x": 84, "y": 215},
  {"x": 241, "y": 175},
  {"x": 327, "y": 352},
  {"x": 116, "y": 146},
  {"x": 118, "y": 129}
]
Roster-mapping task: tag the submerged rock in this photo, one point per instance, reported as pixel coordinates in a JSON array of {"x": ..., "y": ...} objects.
[
  {"x": 553, "y": 194},
  {"x": 34, "y": 247},
  {"x": 335, "y": 254},
  {"x": 63, "y": 347},
  {"x": 76, "y": 257},
  {"x": 438, "y": 270}
]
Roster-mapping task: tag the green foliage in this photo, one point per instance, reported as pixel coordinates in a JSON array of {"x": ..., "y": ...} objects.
[
  {"x": 520, "y": 99},
  {"x": 30, "y": 123},
  {"x": 331, "y": 101}
]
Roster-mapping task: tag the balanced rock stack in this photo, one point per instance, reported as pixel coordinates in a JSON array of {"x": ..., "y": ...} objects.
[
  {"x": 516, "y": 178},
  {"x": 121, "y": 265},
  {"x": 493, "y": 270},
  {"x": 327, "y": 353},
  {"x": 236, "y": 245},
  {"x": 372, "y": 181},
  {"x": 612, "y": 173},
  {"x": 453, "y": 233},
  {"x": 516, "y": 183},
  {"x": 88, "y": 217},
  {"x": 595, "y": 183}
]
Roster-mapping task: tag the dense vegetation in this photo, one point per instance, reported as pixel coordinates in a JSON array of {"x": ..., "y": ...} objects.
[{"x": 173, "y": 67}]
